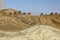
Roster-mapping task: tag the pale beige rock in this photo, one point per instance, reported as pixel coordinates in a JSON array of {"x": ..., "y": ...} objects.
[{"x": 37, "y": 32}]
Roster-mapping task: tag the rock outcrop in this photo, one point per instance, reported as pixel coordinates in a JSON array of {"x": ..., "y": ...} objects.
[
  {"x": 37, "y": 32},
  {"x": 11, "y": 19}
]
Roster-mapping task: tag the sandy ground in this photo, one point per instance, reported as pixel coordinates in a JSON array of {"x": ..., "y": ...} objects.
[{"x": 37, "y": 32}]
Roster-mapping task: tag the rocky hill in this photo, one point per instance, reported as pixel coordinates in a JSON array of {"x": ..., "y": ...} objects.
[{"x": 13, "y": 20}]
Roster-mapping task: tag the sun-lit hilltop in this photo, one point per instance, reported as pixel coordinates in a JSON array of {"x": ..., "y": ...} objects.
[{"x": 11, "y": 19}]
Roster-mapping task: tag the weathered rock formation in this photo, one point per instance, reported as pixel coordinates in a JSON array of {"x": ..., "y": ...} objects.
[
  {"x": 11, "y": 19},
  {"x": 37, "y": 32}
]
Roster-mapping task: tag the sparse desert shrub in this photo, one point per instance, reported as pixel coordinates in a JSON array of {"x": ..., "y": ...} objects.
[
  {"x": 29, "y": 13},
  {"x": 56, "y": 13},
  {"x": 51, "y": 13},
  {"x": 24, "y": 13},
  {"x": 41, "y": 14},
  {"x": 19, "y": 11}
]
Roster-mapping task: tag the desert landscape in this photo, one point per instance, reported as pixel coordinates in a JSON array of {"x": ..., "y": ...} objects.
[{"x": 17, "y": 25}]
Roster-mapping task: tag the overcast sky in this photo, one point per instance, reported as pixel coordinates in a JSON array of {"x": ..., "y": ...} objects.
[{"x": 34, "y": 6}]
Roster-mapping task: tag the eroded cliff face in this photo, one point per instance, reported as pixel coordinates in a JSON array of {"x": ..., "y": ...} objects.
[{"x": 13, "y": 20}]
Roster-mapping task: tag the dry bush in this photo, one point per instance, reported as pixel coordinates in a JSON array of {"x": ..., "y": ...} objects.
[
  {"x": 51, "y": 13},
  {"x": 29, "y": 13},
  {"x": 24, "y": 13},
  {"x": 56, "y": 13},
  {"x": 19, "y": 11},
  {"x": 41, "y": 14}
]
